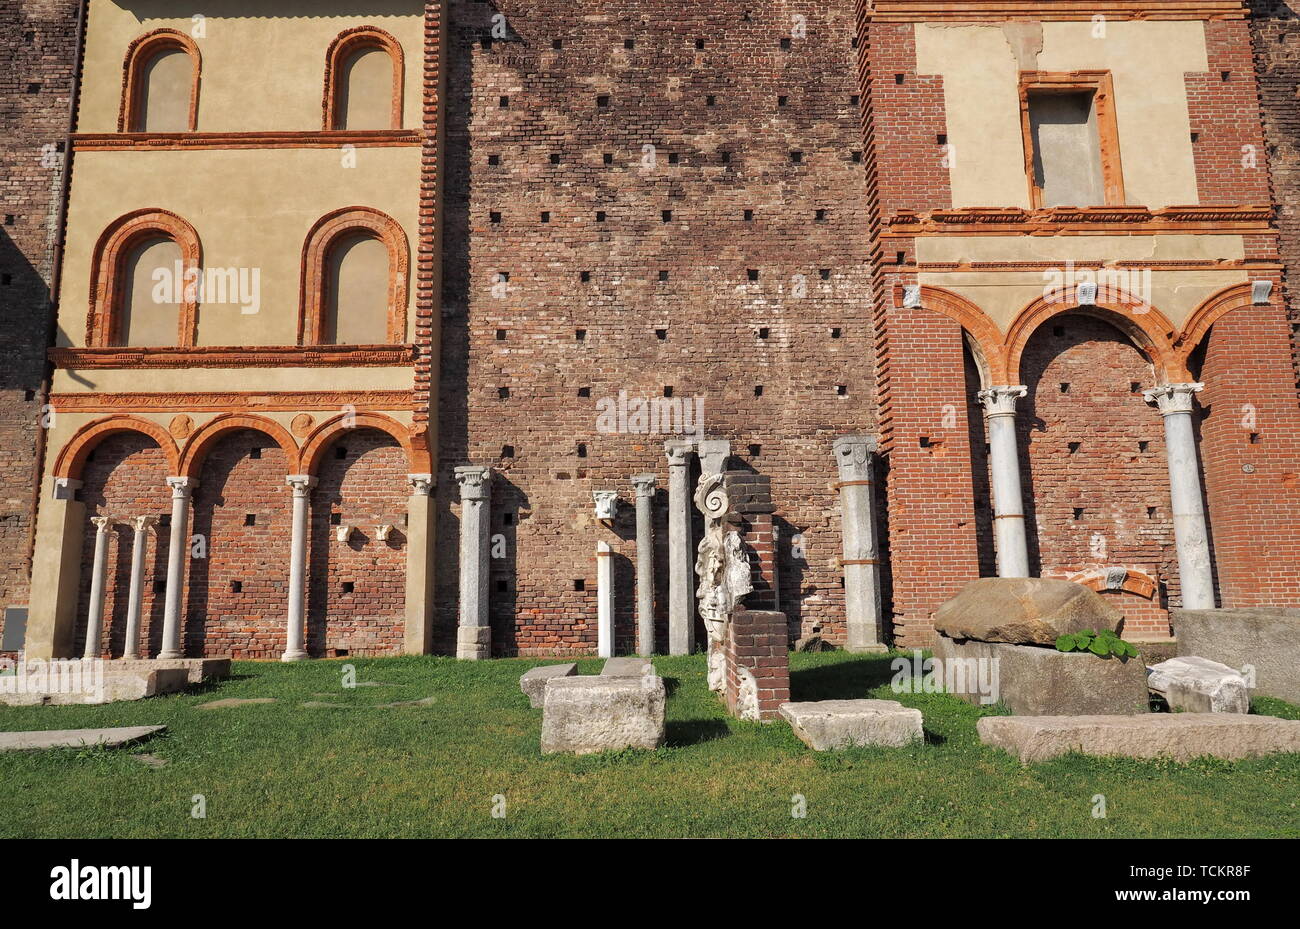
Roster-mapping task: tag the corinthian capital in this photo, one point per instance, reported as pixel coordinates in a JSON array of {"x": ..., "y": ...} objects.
[
  {"x": 475, "y": 482},
  {"x": 1172, "y": 398},
  {"x": 1001, "y": 401}
]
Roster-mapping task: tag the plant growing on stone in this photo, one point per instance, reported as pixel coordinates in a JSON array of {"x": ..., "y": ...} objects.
[{"x": 1103, "y": 644}]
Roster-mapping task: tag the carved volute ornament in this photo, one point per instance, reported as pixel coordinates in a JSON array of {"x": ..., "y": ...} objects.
[{"x": 722, "y": 569}]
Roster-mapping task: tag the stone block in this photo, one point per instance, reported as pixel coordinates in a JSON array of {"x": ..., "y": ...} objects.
[
  {"x": 473, "y": 643},
  {"x": 1023, "y": 611},
  {"x": 626, "y": 667},
  {"x": 75, "y": 738},
  {"x": 533, "y": 682},
  {"x": 1199, "y": 685},
  {"x": 1031, "y": 680},
  {"x": 114, "y": 686},
  {"x": 826, "y": 725},
  {"x": 199, "y": 669},
  {"x": 1180, "y": 736},
  {"x": 593, "y": 713},
  {"x": 1268, "y": 640}
]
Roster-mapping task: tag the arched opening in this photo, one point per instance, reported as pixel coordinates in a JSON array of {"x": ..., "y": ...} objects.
[
  {"x": 1092, "y": 459},
  {"x": 160, "y": 86},
  {"x": 363, "y": 81},
  {"x": 356, "y": 305},
  {"x": 979, "y": 461},
  {"x": 152, "y": 286}
]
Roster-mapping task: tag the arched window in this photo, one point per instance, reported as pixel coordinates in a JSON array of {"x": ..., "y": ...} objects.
[
  {"x": 144, "y": 282},
  {"x": 364, "y": 73},
  {"x": 354, "y": 280},
  {"x": 160, "y": 84}
]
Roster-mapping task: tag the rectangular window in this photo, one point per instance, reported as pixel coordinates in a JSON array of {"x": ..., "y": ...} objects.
[{"x": 1071, "y": 141}]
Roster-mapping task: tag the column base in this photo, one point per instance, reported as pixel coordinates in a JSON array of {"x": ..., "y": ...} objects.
[
  {"x": 876, "y": 649},
  {"x": 170, "y": 654},
  {"x": 295, "y": 655},
  {"x": 474, "y": 643}
]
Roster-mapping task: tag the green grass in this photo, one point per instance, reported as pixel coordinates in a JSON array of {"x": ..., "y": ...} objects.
[{"x": 364, "y": 770}]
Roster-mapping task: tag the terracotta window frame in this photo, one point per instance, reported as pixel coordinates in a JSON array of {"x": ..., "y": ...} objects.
[
  {"x": 138, "y": 56},
  {"x": 324, "y": 235},
  {"x": 1099, "y": 83},
  {"x": 115, "y": 244},
  {"x": 341, "y": 49}
]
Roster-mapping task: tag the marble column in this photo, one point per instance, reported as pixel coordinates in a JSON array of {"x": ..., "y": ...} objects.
[
  {"x": 420, "y": 565},
  {"x": 135, "y": 599},
  {"x": 302, "y": 485},
  {"x": 681, "y": 589},
  {"x": 644, "y": 485},
  {"x": 182, "y": 490},
  {"x": 862, "y": 610},
  {"x": 474, "y": 634},
  {"x": 1004, "y": 475},
  {"x": 95, "y": 615},
  {"x": 1191, "y": 536},
  {"x": 604, "y": 600}
]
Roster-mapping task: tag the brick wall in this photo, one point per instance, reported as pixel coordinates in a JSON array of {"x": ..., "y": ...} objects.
[
  {"x": 38, "y": 38},
  {"x": 782, "y": 362},
  {"x": 757, "y": 643}
]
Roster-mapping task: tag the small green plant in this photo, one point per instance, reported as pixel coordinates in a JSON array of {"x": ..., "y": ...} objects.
[{"x": 1102, "y": 644}]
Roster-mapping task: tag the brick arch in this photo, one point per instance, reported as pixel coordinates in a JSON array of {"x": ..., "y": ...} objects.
[
  {"x": 314, "y": 290},
  {"x": 343, "y": 46},
  {"x": 138, "y": 55},
  {"x": 983, "y": 335},
  {"x": 103, "y": 320},
  {"x": 72, "y": 458},
  {"x": 1218, "y": 304},
  {"x": 1135, "y": 582},
  {"x": 330, "y": 431},
  {"x": 207, "y": 435},
  {"x": 1148, "y": 329}
]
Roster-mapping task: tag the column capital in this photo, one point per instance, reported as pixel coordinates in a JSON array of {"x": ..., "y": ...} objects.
[
  {"x": 65, "y": 488},
  {"x": 301, "y": 484},
  {"x": 102, "y": 523},
  {"x": 853, "y": 456},
  {"x": 606, "y": 503},
  {"x": 713, "y": 455},
  {"x": 422, "y": 485},
  {"x": 1001, "y": 401},
  {"x": 1172, "y": 398},
  {"x": 143, "y": 523},
  {"x": 644, "y": 484},
  {"x": 677, "y": 451},
  {"x": 182, "y": 486},
  {"x": 475, "y": 482}
]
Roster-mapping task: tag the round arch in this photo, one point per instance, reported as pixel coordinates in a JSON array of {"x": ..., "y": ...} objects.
[
  {"x": 207, "y": 435},
  {"x": 1148, "y": 329},
  {"x": 1198, "y": 324},
  {"x": 982, "y": 334},
  {"x": 138, "y": 55},
  {"x": 328, "y": 432},
  {"x": 72, "y": 458},
  {"x": 343, "y": 46}
]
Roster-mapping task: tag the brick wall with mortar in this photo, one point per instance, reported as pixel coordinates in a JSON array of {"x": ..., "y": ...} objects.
[
  {"x": 757, "y": 642},
  {"x": 782, "y": 362},
  {"x": 38, "y": 38}
]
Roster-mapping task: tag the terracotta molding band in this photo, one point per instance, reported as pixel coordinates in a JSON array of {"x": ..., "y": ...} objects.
[
  {"x": 886, "y": 11},
  {"x": 288, "y": 356},
  {"x": 1100, "y": 220},
  {"x": 207, "y": 141},
  {"x": 282, "y": 401}
]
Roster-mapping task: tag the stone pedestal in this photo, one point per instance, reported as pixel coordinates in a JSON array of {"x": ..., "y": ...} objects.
[
  {"x": 862, "y": 610},
  {"x": 474, "y": 636}
]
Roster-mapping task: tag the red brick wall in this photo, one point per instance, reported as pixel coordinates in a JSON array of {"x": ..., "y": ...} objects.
[
  {"x": 1120, "y": 489},
  {"x": 38, "y": 38},
  {"x": 362, "y": 482},
  {"x": 708, "y": 308},
  {"x": 757, "y": 642},
  {"x": 250, "y": 622},
  {"x": 125, "y": 477}
]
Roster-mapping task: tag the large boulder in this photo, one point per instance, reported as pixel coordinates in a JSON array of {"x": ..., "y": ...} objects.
[
  {"x": 598, "y": 713},
  {"x": 825, "y": 725},
  {"x": 1030, "y": 680},
  {"x": 1265, "y": 641},
  {"x": 1180, "y": 736},
  {"x": 1023, "y": 611},
  {"x": 1199, "y": 685}
]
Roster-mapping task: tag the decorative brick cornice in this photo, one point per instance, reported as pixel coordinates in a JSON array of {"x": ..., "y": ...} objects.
[
  {"x": 1094, "y": 220},
  {"x": 1003, "y": 10},
  {"x": 218, "y": 402},
  {"x": 208, "y": 141},
  {"x": 242, "y": 356},
  {"x": 428, "y": 250}
]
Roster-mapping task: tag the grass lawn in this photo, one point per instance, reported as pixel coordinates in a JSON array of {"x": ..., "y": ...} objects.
[{"x": 365, "y": 770}]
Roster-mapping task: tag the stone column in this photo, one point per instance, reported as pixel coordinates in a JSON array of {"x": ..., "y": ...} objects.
[
  {"x": 1004, "y": 475},
  {"x": 420, "y": 565},
  {"x": 1191, "y": 537},
  {"x": 56, "y": 570},
  {"x": 95, "y": 615},
  {"x": 681, "y": 590},
  {"x": 293, "y": 648},
  {"x": 862, "y": 612},
  {"x": 604, "y": 600},
  {"x": 141, "y": 525},
  {"x": 645, "y": 564},
  {"x": 474, "y": 635},
  {"x": 182, "y": 489}
]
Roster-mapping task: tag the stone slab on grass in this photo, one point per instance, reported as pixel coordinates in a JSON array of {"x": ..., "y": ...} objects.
[
  {"x": 1032, "y": 680},
  {"x": 593, "y": 713},
  {"x": 1266, "y": 639},
  {"x": 74, "y": 738},
  {"x": 626, "y": 667},
  {"x": 533, "y": 681},
  {"x": 1199, "y": 685},
  {"x": 228, "y": 702},
  {"x": 826, "y": 725},
  {"x": 199, "y": 669},
  {"x": 113, "y": 686},
  {"x": 1180, "y": 736},
  {"x": 1023, "y": 611}
]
